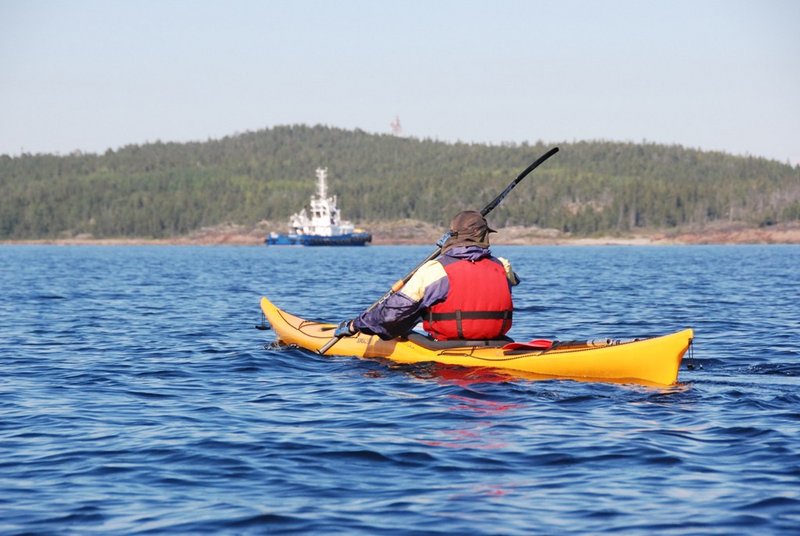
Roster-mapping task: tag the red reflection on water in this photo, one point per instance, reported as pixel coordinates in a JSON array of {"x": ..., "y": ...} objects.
[
  {"x": 466, "y": 376},
  {"x": 484, "y": 407},
  {"x": 465, "y": 439},
  {"x": 480, "y": 435}
]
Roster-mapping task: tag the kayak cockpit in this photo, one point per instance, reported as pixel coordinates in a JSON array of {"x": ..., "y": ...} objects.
[{"x": 432, "y": 344}]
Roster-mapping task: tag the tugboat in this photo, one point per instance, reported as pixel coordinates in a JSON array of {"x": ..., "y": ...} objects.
[{"x": 325, "y": 226}]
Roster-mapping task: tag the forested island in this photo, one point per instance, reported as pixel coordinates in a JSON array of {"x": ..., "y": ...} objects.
[{"x": 250, "y": 183}]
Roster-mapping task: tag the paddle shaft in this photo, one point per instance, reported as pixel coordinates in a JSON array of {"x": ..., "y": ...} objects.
[{"x": 438, "y": 251}]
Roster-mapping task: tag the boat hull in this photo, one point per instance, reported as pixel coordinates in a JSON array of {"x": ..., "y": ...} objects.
[
  {"x": 653, "y": 360},
  {"x": 352, "y": 239}
]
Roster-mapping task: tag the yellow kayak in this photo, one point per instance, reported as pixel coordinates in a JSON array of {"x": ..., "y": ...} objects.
[{"x": 654, "y": 360}]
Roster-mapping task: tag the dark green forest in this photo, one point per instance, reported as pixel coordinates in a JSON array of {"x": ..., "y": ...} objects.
[{"x": 167, "y": 189}]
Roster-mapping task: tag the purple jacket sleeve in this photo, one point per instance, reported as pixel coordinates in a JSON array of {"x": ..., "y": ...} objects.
[
  {"x": 395, "y": 316},
  {"x": 398, "y": 314}
]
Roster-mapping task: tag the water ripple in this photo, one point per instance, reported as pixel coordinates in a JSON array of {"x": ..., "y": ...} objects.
[{"x": 137, "y": 398}]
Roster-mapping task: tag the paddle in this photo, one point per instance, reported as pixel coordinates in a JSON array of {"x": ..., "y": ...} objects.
[{"x": 486, "y": 210}]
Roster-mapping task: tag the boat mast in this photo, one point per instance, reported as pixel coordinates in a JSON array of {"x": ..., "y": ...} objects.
[{"x": 322, "y": 187}]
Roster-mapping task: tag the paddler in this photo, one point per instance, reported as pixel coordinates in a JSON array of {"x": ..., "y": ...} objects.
[{"x": 463, "y": 294}]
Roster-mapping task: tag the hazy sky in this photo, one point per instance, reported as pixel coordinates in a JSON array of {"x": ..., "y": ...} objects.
[{"x": 711, "y": 74}]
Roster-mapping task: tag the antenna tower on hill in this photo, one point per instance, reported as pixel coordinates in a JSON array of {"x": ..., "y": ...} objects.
[{"x": 397, "y": 128}]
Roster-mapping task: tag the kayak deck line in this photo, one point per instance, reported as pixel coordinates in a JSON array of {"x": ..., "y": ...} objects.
[{"x": 653, "y": 360}]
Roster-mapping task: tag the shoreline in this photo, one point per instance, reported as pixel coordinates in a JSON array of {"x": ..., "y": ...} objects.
[{"x": 410, "y": 232}]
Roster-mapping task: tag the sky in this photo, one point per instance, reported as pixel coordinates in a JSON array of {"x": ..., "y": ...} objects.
[{"x": 93, "y": 75}]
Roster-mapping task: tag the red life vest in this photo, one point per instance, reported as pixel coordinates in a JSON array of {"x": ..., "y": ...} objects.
[{"x": 478, "y": 305}]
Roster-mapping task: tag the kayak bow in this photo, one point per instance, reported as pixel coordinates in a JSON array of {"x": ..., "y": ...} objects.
[{"x": 652, "y": 360}]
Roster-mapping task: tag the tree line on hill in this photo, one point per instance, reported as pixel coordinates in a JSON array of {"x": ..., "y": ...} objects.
[{"x": 589, "y": 188}]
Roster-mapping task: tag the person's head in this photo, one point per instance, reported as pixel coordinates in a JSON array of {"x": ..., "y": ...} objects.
[{"x": 468, "y": 228}]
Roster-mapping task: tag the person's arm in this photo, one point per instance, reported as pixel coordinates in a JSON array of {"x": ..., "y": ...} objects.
[
  {"x": 394, "y": 316},
  {"x": 513, "y": 278},
  {"x": 399, "y": 313}
]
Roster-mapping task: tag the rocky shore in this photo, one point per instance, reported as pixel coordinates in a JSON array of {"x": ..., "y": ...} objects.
[{"x": 417, "y": 232}]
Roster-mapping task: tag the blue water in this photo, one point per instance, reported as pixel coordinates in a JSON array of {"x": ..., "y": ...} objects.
[{"x": 137, "y": 397}]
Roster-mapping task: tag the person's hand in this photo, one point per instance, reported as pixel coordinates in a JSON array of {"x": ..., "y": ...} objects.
[
  {"x": 510, "y": 273},
  {"x": 345, "y": 329}
]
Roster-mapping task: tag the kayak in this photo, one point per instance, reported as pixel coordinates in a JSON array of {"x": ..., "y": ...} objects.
[{"x": 654, "y": 360}]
